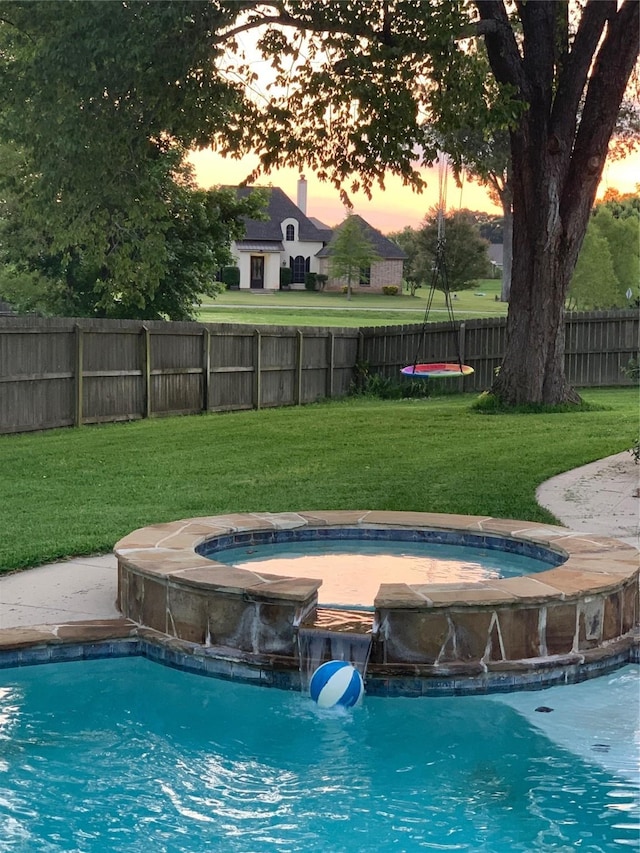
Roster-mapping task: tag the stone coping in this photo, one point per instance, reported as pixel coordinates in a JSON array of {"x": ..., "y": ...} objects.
[
  {"x": 96, "y": 639},
  {"x": 594, "y": 565}
]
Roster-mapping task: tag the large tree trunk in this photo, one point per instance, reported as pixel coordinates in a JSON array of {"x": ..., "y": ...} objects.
[
  {"x": 558, "y": 151},
  {"x": 533, "y": 366},
  {"x": 507, "y": 242}
]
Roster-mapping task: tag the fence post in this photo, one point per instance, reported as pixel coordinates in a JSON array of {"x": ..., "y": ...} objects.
[
  {"x": 146, "y": 371},
  {"x": 299, "y": 354},
  {"x": 331, "y": 356},
  {"x": 206, "y": 384},
  {"x": 79, "y": 371},
  {"x": 257, "y": 361}
]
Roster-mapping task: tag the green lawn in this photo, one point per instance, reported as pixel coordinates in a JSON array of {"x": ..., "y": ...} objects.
[
  {"x": 76, "y": 491},
  {"x": 306, "y": 308}
]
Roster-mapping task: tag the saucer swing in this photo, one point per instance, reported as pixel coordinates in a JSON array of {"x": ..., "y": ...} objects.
[{"x": 439, "y": 369}]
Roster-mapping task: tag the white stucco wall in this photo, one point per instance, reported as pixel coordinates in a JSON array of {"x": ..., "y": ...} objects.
[{"x": 271, "y": 268}]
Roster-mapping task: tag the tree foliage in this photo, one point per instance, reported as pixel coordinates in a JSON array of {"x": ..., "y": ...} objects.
[
  {"x": 102, "y": 102},
  {"x": 465, "y": 251},
  {"x": 594, "y": 284},
  {"x": 608, "y": 267}
]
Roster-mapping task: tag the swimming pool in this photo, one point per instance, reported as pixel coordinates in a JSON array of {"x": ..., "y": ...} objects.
[{"x": 124, "y": 755}]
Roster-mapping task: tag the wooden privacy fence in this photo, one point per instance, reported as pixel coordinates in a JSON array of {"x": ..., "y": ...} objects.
[
  {"x": 598, "y": 346},
  {"x": 61, "y": 372},
  {"x": 56, "y": 372}
]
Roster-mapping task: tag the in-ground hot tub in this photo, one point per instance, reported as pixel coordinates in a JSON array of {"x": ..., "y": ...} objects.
[{"x": 573, "y": 619}]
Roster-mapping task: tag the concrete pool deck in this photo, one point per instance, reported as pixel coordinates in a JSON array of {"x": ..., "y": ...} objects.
[{"x": 599, "y": 498}]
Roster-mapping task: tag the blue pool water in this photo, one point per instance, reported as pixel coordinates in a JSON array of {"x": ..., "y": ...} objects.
[
  {"x": 353, "y": 569},
  {"x": 126, "y": 755}
]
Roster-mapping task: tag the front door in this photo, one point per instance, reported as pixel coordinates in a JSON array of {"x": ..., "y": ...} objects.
[{"x": 257, "y": 272}]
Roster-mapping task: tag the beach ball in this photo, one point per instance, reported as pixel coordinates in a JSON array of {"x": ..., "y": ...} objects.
[{"x": 336, "y": 683}]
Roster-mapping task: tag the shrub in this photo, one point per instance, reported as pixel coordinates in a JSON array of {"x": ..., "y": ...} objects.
[
  {"x": 310, "y": 280},
  {"x": 230, "y": 277},
  {"x": 286, "y": 277},
  {"x": 390, "y": 289},
  {"x": 632, "y": 370},
  {"x": 321, "y": 280},
  {"x": 369, "y": 384}
]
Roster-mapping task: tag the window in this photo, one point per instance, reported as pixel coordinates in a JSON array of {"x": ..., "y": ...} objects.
[
  {"x": 365, "y": 276},
  {"x": 299, "y": 266},
  {"x": 290, "y": 233}
]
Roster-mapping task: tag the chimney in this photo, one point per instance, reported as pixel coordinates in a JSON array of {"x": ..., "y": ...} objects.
[{"x": 302, "y": 194}]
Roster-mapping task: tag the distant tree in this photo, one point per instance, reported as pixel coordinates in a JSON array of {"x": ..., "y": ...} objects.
[
  {"x": 622, "y": 235},
  {"x": 594, "y": 284},
  {"x": 407, "y": 239},
  {"x": 621, "y": 205},
  {"x": 161, "y": 271},
  {"x": 465, "y": 252},
  {"x": 102, "y": 101},
  {"x": 351, "y": 251},
  {"x": 491, "y": 228},
  {"x": 483, "y": 155}
]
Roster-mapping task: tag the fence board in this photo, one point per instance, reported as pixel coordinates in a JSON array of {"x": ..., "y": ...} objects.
[{"x": 58, "y": 371}]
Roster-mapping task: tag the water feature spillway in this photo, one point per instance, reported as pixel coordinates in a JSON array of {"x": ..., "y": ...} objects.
[{"x": 573, "y": 619}]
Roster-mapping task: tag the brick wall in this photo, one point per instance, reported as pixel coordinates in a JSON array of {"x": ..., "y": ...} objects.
[{"x": 383, "y": 272}]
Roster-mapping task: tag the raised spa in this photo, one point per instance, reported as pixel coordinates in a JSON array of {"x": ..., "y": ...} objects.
[
  {"x": 353, "y": 562},
  {"x": 570, "y": 615}
]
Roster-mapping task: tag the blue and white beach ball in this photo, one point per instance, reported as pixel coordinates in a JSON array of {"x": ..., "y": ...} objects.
[{"x": 336, "y": 683}]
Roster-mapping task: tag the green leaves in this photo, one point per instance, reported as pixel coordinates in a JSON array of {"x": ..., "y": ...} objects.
[{"x": 103, "y": 100}]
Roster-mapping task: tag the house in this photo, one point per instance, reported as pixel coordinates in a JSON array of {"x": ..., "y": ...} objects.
[
  {"x": 383, "y": 272},
  {"x": 495, "y": 252},
  {"x": 290, "y": 238}
]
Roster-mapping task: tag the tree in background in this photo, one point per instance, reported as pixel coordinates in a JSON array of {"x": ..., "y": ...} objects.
[
  {"x": 100, "y": 103},
  {"x": 407, "y": 239},
  {"x": 609, "y": 263},
  {"x": 594, "y": 283},
  {"x": 191, "y": 237},
  {"x": 465, "y": 251},
  {"x": 351, "y": 252}
]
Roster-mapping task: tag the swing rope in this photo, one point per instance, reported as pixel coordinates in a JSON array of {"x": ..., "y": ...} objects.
[{"x": 439, "y": 272}]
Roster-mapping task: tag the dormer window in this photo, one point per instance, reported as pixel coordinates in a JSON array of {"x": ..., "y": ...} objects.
[{"x": 290, "y": 233}]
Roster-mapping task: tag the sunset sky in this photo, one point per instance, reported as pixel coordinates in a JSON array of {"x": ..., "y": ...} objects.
[{"x": 392, "y": 209}]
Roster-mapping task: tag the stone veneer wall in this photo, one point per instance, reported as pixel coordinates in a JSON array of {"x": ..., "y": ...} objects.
[{"x": 578, "y": 610}]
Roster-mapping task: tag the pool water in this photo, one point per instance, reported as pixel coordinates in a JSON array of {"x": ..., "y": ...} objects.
[
  {"x": 352, "y": 570},
  {"x": 127, "y": 755}
]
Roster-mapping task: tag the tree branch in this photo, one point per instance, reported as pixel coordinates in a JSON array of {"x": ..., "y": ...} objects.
[
  {"x": 573, "y": 74},
  {"x": 285, "y": 19},
  {"x": 612, "y": 69},
  {"x": 502, "y": 48}
]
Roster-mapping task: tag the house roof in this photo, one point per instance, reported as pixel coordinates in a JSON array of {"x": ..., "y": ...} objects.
[
  {"x": 384, "y": 247},
  {"x": 259, "y": 246},
  {"x": 279, "y": 207},
  {"x": 324, "y": 229}
]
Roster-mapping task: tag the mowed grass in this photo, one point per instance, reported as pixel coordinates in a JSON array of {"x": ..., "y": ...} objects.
[
  {"x": 77, "y": 491},
  {"x": 307, "y": 308}
]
